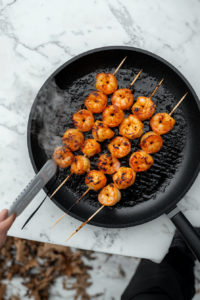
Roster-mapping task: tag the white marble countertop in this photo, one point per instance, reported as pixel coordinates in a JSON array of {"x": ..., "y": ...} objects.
[{"x": 36, "y": 37}]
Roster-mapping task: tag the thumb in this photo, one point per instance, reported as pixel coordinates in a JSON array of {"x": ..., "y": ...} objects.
[
  {"x": 5, "y": 225},
  {"x": 3, "y": 215}
]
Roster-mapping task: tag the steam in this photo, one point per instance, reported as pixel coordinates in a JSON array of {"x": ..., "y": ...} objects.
[{"x": 49, "y": 99}]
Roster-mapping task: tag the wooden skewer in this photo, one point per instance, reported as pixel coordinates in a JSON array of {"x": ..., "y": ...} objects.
[
  {"x": 156, "y": 89},
  {"x": 83, "y": 224},
  {"x": 119, "y": 66},
  {"x": 71, "y": 207},
  {"x": 80, "y": 198},
  {"x": 134, "y": 80},
  {"x": 60, "y": 185},
  {"x": 58, "y": 220},
  {"x": 178, "y": 104}
]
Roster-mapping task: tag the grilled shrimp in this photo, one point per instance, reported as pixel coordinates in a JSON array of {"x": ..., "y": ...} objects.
[
  {"x": 140, "y": 161},
  {"x": 151, "y": 142},
  {"x": 123, "y": 98},
  {"x": 124, "y": 177},
  {"x": 95, "y": 180},
  {"x": 162, "y": 123},
  {"x": 96, "y": 102},
  {"x": 143, "y": 108},
  {"x": 83, "y": 120},
  {"x": 90, "y": 147},
  {"x": 63, "y": 157},
  {"x": 112, "y": 116},
  {"x": 101, "y": 131},
  {"x": 106, "y": 83},
  {"x": 73, "y": 139},
  {"x": 119, "y": 147},
  {"x": 80, "y": 165},
  {"x": 109, "y": 195},
  {"x": 108, "y": 164},
  {"x": 131, "y": 127}
]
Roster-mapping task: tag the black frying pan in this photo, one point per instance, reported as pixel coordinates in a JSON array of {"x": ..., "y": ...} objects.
[{"x": 176, "y": 166}]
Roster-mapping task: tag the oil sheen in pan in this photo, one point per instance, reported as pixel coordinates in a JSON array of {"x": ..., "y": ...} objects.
[{"x": 60, "y": 105}]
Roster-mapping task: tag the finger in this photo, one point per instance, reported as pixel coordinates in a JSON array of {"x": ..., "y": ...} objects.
[
  {"x": 2, "y": 240},
  {"x": 5, "y": 225},
  {"x": 3, "y": 215}
]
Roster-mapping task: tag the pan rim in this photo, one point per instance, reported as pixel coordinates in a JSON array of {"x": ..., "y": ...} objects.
[{"x": 184, "y": 191}]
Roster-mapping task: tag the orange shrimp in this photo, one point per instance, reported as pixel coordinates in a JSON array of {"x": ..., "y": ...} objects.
[
  {"x": 108, "y": 164},
  {"x": 83, "y": 120},
  {"x": 131, "y": 127},
  {"x": 101, "y": 131},
  {"x": 95, "y": 180},
  {"x": 109, "y": 195},
  {"x": 112, "y": 116},
  {"x": 162, "y": 123},
  {"x": 63, "y": 157},
  {"x": 151, "y": 142},
  {"x": 90, "y": 147},
  {"x": 73, "y": 139},
  {"x": 122, "y": 98},
  {"x": 143, "y": 108},
  {"x": 119, "y": 147},
  {"x": 80, "y": 165},
  {"x": 106, "y": 83},
  {"x": 140, "y": 161},
  {"x": 124, "y": 177},
  {"x": 96, "y": 102}
]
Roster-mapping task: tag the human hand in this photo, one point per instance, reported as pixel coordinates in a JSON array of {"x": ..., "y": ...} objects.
[{"x": 5, "y": 224}]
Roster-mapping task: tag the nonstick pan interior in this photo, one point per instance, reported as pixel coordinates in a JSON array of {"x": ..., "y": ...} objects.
[{"x": 176, "y": 165}]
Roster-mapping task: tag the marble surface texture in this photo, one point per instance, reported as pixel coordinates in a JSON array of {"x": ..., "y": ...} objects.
[{"x": 36, "y": 37}]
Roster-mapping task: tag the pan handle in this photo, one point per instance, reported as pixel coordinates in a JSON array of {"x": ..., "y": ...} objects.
[
  {"x": 187, "y": 231},
  {"x": 31, "y": 190}
]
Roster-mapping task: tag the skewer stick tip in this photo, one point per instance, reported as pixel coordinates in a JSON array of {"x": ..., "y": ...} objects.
[
  {"x": 70, "y": 236},
  {"x": 58, "y": 220},
  {"x": 178, "y": 104},
  {"x": 83, "y": 224},
  {"x": 60, "y": 186},
  {"x": 119, "y": 66},
  {"x": 134, "y": 80},
  {"x": 156, "y": 88}
]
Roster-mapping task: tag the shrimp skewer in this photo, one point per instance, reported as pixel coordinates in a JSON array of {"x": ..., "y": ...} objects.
[
  {"x": 123, "y": 98},
  {"x": 151, "y": 142},
  {"x": 95, "y": 180},
  {"x": 91, "y": 147},
  {"x": 162, "y": 123},
  {"x": 73, "y": 139},
  {"x": 83, "y": 120},
  {"x": 124, "y": 177},
  {"x": 96, "y": 102},
  {"x": 108, "y": 196},
  {"x": 63, "y": 158},
  {"x": 107, "y": 82},
  {"x": 112, "y": 116},
  {"x": 140, "y": 161},
  {"x": 131, "y": 127},
  {"x": 119, "y": 147},
  {"x": 101, "y": 131},
  {"x": 144, "y": 107},
  {"x": 108, "y": 164},
  {"x": 79, "y": 164}
]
